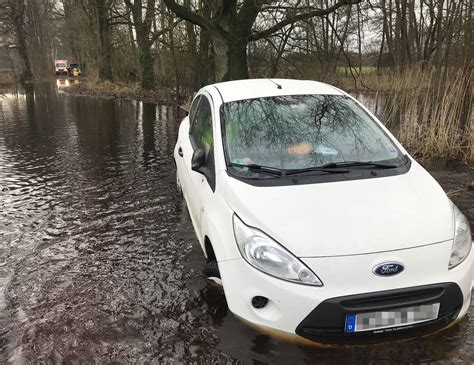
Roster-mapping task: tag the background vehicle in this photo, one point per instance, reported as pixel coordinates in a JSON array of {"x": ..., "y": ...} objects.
[
  {"x": 74, "y": 70},
  {"x": 315, "y": 219},
  {"x": 60, "y": 67}
]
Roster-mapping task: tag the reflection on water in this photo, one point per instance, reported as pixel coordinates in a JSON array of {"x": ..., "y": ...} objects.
[
  {"x": 98, "y": 259},
  {"x": 62, "y": 83}
]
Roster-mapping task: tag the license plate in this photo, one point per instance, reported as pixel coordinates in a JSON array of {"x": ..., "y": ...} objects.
[{"x": 391, "y": 318}]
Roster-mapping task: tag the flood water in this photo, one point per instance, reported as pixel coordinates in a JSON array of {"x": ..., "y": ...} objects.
[{"x": 98, "y": 258}]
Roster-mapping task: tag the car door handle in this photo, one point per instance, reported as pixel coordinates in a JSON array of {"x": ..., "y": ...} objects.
[{"x": 180, "y": 151}]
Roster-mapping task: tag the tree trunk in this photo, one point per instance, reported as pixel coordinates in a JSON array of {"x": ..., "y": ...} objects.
[
  {"x": 468, "y": 25},
  {"x": 359, "y": 37},
  {"x": 146, "y": 70},
  {"x": 192, "y": 51},
  {"x": 237, "y": 66},
  {"x": 204, "y": 61},
  {"x": 103, "y": 34},
  {"x": 414, "y": 37},
  {"x": 219, "y": 48},
  {"x": 173, "y": 57},
  {"x": 388, "y": 32},
  {"x": 37, "y": 48},
  {"x": 199, "y": 51},
  {"x": 379, "y": 58},
  {"x": 230, "y": 57},
  {"x": 18, "y": 19},
  {"x": 130, "y": 33},
  {"x": 142, "y": 25}
]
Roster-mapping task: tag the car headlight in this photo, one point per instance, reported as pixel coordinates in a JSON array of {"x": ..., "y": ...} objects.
[
  {"x": 268, "y": 256},
  {"x": 462, "y": 239}
]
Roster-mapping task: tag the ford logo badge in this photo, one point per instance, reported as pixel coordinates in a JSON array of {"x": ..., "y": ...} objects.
[{"x": 388, "y": 269}]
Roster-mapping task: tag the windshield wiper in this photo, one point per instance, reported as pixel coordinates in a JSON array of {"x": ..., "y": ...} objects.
[
  {"x": 341, "y": 167},
  {"x": 359, "y": 164},
  {"x": 316, "y": 168},
  {"x": 330, "y": 168},
  {"x": 278, "y": 172},
  {"x": 259, "y": 168}
]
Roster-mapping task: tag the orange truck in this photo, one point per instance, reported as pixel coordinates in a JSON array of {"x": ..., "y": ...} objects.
[{"x": 60, "y": 66}]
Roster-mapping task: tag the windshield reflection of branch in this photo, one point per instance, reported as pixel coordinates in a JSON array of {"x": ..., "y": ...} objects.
[{"x": 274, "y": 124}]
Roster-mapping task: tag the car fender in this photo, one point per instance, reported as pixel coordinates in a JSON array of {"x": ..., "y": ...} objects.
[{"x": 216, "y": 223}]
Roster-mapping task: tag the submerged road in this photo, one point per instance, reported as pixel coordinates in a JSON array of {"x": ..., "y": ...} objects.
[{"x": 98, "y": 258}]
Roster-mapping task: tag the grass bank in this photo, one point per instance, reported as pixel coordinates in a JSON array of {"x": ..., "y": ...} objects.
[
  {"x": 133, "y": 91},
  {"x": 429, "y": 111}
]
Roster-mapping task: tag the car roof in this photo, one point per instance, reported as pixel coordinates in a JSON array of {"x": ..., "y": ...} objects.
[{"x": 259, "y": 88}]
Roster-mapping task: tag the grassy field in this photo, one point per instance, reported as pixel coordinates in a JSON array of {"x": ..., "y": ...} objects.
[
  {"x": 430, "y": 111},
  {"x": 356, "y": 70}
]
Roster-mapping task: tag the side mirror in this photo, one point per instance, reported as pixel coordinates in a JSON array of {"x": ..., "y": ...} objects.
[{"x": 198, "y": 160}]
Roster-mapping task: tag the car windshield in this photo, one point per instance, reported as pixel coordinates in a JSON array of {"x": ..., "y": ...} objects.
[
  {"x": 60, "y": 65},
  {"x": 303, "y": 131}
]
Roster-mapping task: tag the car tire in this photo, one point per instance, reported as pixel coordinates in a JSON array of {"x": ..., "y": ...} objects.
[{"x": 211, "y": 271}]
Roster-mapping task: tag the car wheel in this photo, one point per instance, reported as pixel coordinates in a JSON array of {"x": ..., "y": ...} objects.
[{"x": 211, "y": 272}]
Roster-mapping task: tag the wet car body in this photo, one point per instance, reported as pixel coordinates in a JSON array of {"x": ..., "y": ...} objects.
[{"x": 373, "y": 243}]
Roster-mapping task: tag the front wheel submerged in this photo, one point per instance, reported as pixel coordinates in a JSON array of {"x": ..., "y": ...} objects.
[{"x": 211, "y": 272}]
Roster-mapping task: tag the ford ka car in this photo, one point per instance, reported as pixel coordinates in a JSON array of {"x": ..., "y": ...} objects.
[{"x": 315, "y": 220}]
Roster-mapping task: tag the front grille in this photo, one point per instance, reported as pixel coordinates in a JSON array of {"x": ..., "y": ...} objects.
[
  {"x": 393, "y": 300},
  {"x": 326, "y": 322}
]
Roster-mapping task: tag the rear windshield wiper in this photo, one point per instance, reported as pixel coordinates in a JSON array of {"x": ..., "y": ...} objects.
[
  {"x": 359, "y": 164},
  {"x": 259, "y": 168}
]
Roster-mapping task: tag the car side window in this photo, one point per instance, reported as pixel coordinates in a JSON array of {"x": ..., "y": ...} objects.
[
  {"x": 201, "y": 128},
  {"x": 201, "y": 135},
  {"x": 194, "y": 107}
]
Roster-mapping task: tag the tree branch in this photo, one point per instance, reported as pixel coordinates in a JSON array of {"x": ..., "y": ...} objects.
[
  {"x": 158, "y": 34},
  {"x": 249, "y": 12},
  {"x": 192, "y": 17},
  {"x": 303, "y": 16}
]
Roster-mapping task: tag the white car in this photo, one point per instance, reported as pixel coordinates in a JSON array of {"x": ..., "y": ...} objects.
[{"x": 315, "y": 219}]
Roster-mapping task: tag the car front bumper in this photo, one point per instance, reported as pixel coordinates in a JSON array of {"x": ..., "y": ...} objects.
[
  {"x": 327, "y": 321},
  {"x": 318, "y": 313}
]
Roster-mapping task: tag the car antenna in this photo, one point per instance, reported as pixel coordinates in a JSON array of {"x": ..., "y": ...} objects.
[{"x": 278, "y": 85}]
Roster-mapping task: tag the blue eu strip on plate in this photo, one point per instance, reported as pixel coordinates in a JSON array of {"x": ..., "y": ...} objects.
[{"x": 350, "y": 323}]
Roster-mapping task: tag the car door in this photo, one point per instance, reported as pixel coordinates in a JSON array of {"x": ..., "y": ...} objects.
[
  {"x": 202, "y": 137},
  {"x": 203, "y": 181},
  {"x": 185, "y": 151}
]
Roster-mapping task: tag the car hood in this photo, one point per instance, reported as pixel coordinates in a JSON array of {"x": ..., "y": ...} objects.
[{"x": 348, "y": 217}]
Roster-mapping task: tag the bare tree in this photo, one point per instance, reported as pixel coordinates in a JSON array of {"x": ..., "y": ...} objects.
[
  {"x": 13, "y": 16},
  {"x": 231, "y": 25}
]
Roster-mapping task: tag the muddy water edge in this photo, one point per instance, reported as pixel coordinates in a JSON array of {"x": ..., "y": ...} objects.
[{"x": 98, "y": 258}]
